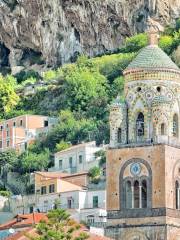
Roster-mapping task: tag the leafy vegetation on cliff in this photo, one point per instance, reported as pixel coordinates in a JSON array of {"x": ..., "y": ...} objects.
[{"x": 77, "y": 94}]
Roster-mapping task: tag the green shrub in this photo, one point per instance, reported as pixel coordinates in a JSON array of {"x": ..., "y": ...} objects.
[
  {"x": 135, "y": 43},
  {"x": 166, "y": 43}
]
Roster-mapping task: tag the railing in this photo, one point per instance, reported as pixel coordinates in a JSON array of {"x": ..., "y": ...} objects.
[
  {"x": 98, "y": 224},
  {"x": 81, "y": 207},
  {"x": 171, "y": 141},
  {"x": 143, "y": 212}
]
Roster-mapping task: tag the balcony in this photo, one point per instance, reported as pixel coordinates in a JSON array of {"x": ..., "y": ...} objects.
[
  {"x": 143, "y": 212},
  {"x": 171, "y": 141}
]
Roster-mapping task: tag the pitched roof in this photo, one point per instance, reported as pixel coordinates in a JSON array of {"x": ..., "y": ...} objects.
[
  {"x": 68, "y": 187},
  {"x": 24, "y": 220},
  {"x": 52, "y": 174},
  {"x": 85, "y": 144},
  {"x": 152, "y": 57},
  {"x": 59, "y": 174}
]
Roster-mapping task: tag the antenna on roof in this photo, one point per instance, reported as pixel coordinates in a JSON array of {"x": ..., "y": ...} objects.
[{"x": 153, "y": 30}]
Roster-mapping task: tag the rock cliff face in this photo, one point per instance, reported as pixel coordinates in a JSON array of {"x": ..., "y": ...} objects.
[{"x": 56, "y": 31}]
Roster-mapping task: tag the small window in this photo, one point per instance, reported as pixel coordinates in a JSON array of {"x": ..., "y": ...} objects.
[
  {"x": 43, "y": 190},
  {"x": 70, "y": 162},
  {"x": 139, "y": 89},
  {"x": 158, "y": 89},
  {"x": 95, "y": 201},
  {"x": 80, "y": 159},
  {"x": 21, "y": 122},
  {"x": 31, "y": 209},
  {"x": 60, "y": 164},
  {"x": 0, "y": 144},
  {"x": 46, "y": 123},
  {"x": 7, "y": 125},
  {"x": 162, "y": 129},
  {"x": 14, "y": 124},
  {"x": 119, "y": 135},
  {"x": 69, "y": 201},
  {"x": 175, "y": 125},
  {"x": 51, "y": 188},
  {"x": 1, "y": 128},
  {"x": 140, "y": 125},
  {"x": 7, "y": 133},
  {"x": 7, "y": 143}
]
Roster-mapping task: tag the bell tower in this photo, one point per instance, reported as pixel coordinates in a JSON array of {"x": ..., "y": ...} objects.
[{"x": 143, "y": 160}]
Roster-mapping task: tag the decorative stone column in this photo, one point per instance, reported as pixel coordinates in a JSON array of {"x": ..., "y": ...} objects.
[
  {"x": 178, "y": 198},
  {"x": 132, "y": 190},
  {"x": 140, "y": 196}
]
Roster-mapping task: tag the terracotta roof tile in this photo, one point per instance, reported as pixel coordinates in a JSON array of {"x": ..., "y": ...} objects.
[{"x": 24, "y": 220}]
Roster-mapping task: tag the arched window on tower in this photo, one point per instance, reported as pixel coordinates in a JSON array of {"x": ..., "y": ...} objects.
[
  {"x": 144, "y": 194},
  {"x": 140, "y": 126},
  {"x": 136, "y": 194},
  {"x": 177, "y": 195},
  {"x": 119, "y": 135},
  {"x": 128, "y": 194},
  {"x": 163, "y": 129},
  {"x": 175, "y": 125}
]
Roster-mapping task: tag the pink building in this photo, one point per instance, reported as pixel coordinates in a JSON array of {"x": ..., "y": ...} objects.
[{"x": 17, "y": 133}]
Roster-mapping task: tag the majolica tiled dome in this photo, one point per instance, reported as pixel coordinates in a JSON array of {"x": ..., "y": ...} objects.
[{"x": 152, "y": 57}]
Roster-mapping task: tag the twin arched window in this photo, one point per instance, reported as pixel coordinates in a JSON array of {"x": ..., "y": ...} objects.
[{"x": 136, "y": 194}]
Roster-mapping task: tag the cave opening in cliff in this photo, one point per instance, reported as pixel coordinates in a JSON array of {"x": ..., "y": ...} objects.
[
  {"x": 4, "y": 56},
  {"x": 31, "y": 57}
]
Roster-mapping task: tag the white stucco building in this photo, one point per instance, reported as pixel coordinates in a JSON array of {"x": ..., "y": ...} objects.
[
  {"x": 77, "y": 158},
  {"x": 83, "y": 205},
  {"x": 85, "y": 202}
]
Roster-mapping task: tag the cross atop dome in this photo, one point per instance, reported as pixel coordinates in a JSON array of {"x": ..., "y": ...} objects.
[{"x": 153, "y": 29}]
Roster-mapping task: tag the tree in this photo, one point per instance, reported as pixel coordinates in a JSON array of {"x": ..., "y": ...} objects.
[
  {"x": 35, "y": 161},
  {"x": 135, "y": 43},
  {"x": 83, "y": 84},
  {"x": 178, "y": 24},
  {"x": 101, "y": 155},
  {"x": 8, "y": 161},
  {"x": 69, "y": 130},
  {"x": 8, "y": 96},
  {"x": 62, "y": 145},
  {"x": 59, "y": 226},
  {"x": 166, "y": 43},
  {"x": 117, "y": 87},
  {"x": 94, "y": 174}
]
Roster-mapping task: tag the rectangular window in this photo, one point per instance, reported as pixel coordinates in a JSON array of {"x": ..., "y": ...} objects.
[
  {"x": 80, "y": 159},
  {"x": 7, "y": 143},
  {"x": 70, "y": 162},
  {"x": 21, "y": 122},
  {"x": 46, "y": 123},
  {"x": 14, "y": 124},
  {"x": 0, "y": 144},
  {"x": 60, "y": 164},
  {"x": 69, "y": 203},
  {"x": 43, "y": 190},
  {"x": 95, "y": 201},
  {"x": 7, "y": 133},
  {"x": 51, "y": 188},
  {"x": 1, "y": 128},
  {"x": 7, "y": 125}
]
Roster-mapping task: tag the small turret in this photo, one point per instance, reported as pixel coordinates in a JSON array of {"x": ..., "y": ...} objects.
[{"x": 118, "y": 128}]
